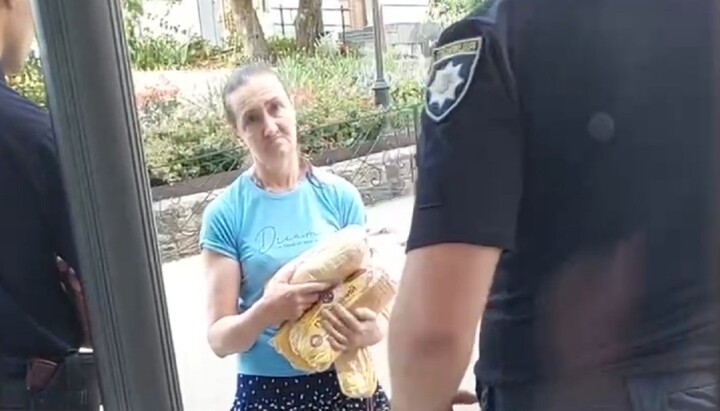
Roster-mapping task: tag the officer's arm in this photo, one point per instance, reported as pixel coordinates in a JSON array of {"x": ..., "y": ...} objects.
[
  {"x": 56, "y": 205},
  {"x": 466, "y": 204},
  {"x": 65, "y": 240}
]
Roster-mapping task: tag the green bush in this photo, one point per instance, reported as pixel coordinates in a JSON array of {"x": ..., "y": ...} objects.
[
  {"x": 184, "y": 141},
  {"x": 30, "y": 81},
  {"x": 165, "y": 52},
  {"x": 282, "y": 47},
  {"x": 407, "y": 92},
  {"x": 334, "y": 100},
  {"x": 446, "y": 12},
  {"x": 335, "y": 109},
  {"x": 332, "y": 93}
]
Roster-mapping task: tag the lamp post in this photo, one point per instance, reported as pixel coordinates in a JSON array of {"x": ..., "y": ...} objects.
[{"x": 381, "y": 87}]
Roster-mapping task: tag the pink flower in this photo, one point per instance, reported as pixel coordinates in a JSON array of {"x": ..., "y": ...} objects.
[
  {"x": 301, "y": 96},
  {"x": 162, "y": 91}
]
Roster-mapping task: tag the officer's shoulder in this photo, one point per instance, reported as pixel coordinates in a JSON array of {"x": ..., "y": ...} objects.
[
  {"x": 471, "y": 47},
  {"x": 486, "y": 19},
  {"x": 23, "y": 121}
]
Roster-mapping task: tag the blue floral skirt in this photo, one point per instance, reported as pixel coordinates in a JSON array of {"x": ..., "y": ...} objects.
[{"x": 316, "y": 392}]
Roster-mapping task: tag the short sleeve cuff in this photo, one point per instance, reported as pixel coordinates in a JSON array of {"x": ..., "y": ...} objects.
[
  {"x": 439, "y": 225},
  {"x": 218, "y": 248}
]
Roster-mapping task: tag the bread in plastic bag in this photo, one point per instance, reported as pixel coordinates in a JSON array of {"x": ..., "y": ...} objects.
[
  {"x": 342, "y": 260},
  {"x": 333, "y": 259},
  {"x": 356, "y": 374}
]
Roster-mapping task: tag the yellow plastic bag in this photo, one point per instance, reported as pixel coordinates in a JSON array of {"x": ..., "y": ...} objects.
[
  {"x": 332, "y": 260},
  {"x": 356, "y": 374},
  {"x": 304, "y": 342},
  {"x": 370, "y": 289},
  {"x": 335, "y": 258},
  {"x": 342, "y": 259}
]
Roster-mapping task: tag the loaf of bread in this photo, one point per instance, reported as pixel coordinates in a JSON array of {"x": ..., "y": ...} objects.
[
  {"x": 304, "y": 341},
  {"x": 370, "y": 289},
  {"x": 335, "y": 258},
  {"x": 356, "y": 374},
  {"x": 355, "y": 371},
  {"x": 343, "y": 261}
]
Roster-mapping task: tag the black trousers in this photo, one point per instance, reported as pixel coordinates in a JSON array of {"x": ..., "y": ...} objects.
[
  {"x": 74, "y": 387},
  {"x": 692, "y": 390}
]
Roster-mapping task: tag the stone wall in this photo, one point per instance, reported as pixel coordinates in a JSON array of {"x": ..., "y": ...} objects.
[{"x": 378, "y": 177}]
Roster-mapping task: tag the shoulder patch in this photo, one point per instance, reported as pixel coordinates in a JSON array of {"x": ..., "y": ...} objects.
[{"x": 451, "y": 73}]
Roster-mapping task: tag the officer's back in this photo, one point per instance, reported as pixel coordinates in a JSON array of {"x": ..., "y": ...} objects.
[
  {"x": 34, "y": 220},
  {"x": 579, "y": 137},
  {"x": 611, "y": 272},
  {"x": 39, "y": 325}
]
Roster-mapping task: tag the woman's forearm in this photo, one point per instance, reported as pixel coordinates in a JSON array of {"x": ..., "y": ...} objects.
[{"x": 237, "y": 333}]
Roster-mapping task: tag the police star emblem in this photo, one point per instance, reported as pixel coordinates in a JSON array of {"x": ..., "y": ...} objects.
[
  {"x": 445, "y": 84},
  {"x": 451, "y": 74}
]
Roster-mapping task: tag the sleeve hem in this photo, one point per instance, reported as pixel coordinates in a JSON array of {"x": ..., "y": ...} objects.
[
  {"x": 208, "y": 245},
  {"x": 483, "y": 239},
  {"x": 435, "y": 226}
]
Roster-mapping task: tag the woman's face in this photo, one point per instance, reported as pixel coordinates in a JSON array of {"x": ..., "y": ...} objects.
[{"x": 265, "y": 118}]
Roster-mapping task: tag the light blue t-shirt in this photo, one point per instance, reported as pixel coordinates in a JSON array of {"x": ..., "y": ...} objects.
[{"x": 263, "y": 231}]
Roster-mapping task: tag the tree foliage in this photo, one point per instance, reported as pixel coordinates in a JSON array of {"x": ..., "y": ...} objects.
[{"x": 446, "y": 12}]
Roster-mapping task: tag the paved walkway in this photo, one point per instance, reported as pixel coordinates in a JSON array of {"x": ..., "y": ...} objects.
[{"x": 208, "y": 382}]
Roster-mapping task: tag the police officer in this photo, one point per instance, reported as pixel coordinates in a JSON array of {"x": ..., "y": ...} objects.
[
  {"x": 41, "y": 317},
  {"x": 566, "y": 197}
]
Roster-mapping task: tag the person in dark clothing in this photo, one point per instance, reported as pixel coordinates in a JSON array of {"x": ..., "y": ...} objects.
[
  {"x": 566, "y": 195},
  {"x": 40, "y": 326}
]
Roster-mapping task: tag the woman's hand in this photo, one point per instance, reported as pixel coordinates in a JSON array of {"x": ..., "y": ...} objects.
[
  {"x": 283, "y": 301},
  {"x": 348, "y": 331}
]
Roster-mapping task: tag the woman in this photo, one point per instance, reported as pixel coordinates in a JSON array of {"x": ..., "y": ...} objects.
[{"x": 272, "y": 213}]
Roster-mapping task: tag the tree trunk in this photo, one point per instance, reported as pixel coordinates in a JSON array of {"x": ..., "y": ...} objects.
[
  {"x": 249, "y": 30},
  {"x": 308, "y": 23}
]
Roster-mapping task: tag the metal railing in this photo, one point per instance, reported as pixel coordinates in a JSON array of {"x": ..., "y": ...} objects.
[
  {"x": 288, "y": 14},
  {"x": 376, "y": 153}
]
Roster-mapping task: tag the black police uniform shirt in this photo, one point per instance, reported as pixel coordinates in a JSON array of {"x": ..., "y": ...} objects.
[
  {"x": 577, "y": 137},
  {"x": 34, "y": 221}
]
